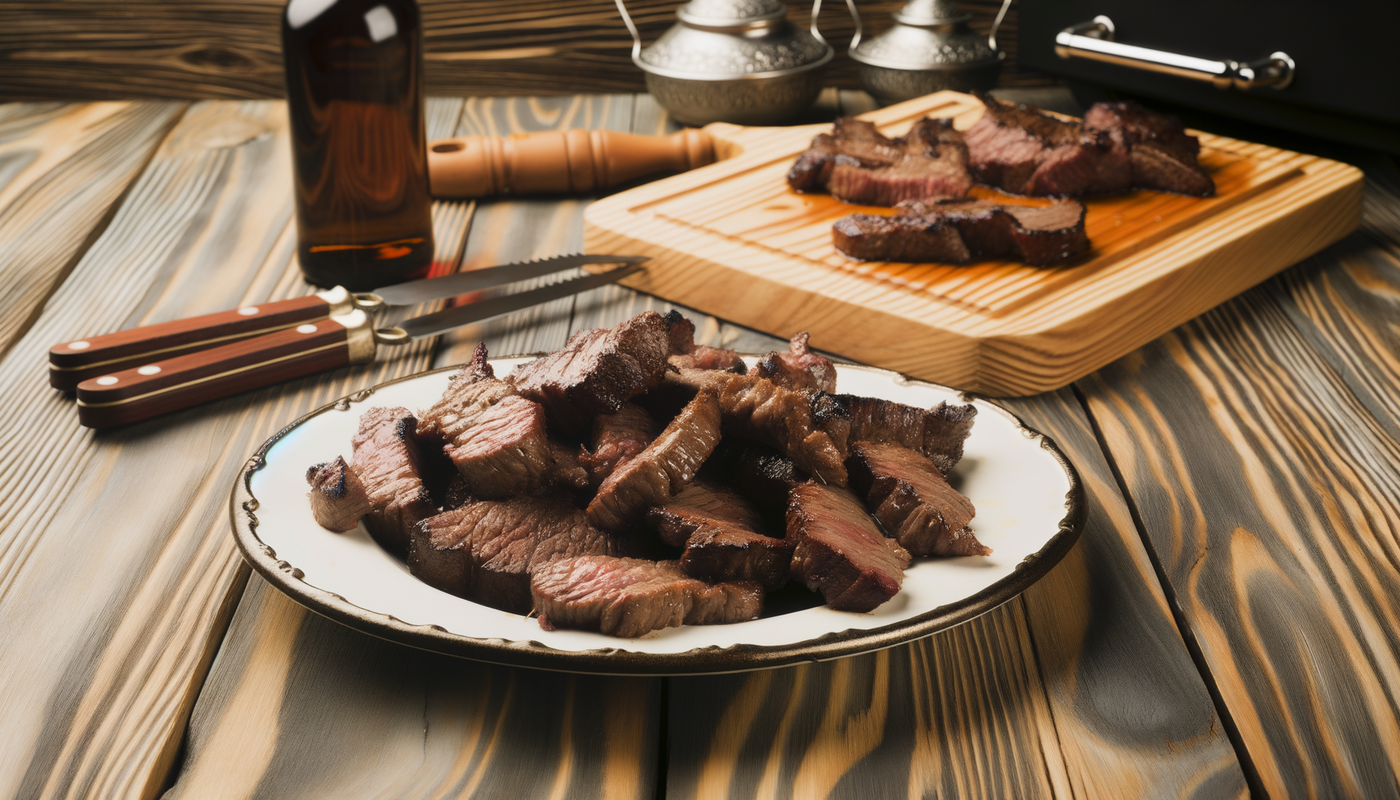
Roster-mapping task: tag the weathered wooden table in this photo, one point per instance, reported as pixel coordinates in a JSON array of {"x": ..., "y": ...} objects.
[{"x": 1229, "y": 621}]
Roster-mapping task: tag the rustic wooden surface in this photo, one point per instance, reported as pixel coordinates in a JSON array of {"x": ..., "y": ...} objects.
[
  {"x": 113, "y": 49},
  {"x": 733, "y": 238},
  {"x": 1226, "y": 625}
]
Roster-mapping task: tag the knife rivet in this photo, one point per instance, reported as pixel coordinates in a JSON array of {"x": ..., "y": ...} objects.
[
  {"x": 247, "y": 312},
  {"x": 149, "y": 369},
  {"x": 306, "y": 329},
  {"x": 79, "y": 345},
  {"x": 106, "y": 380}
]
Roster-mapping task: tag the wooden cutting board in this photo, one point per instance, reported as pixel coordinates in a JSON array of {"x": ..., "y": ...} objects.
[{"x": 733, "y": 240}]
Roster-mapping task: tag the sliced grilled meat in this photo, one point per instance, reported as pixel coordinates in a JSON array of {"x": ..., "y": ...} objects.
[
  {"x": 1026, "y": 151},
  {"x": 686, "y": 354},
  {"x": 804, "y": 426},
  {"x": 663, "y": 469},
  {"x": 1161, "y": 153},
  {"x": 938, "y": 433},
  {"x": 597, "y": 371},
  {"x": 387, "y": 459},
  {"x": 913, "y": 501},
  {"x": 839, "y": 551},
  {"x": 629, "y": 597},
  {"x": 338, "y": 497},
  {"x": 969, "y": 230},
  {"x": 506, "y": 450},
  {"x": 472, "y": 390},
  {"x": 617, "y": 438},
  {"x": 799, "y": 368},
  {"x": 485, "y": 551},
  {"x": 765, "y": 477},
  {"x": 722, "y": 536},
  {"x": 858, "y": 164}
]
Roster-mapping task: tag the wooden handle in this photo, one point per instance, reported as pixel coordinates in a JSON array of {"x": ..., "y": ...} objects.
[
  {"x": 135, "y": 394},
  {"x": 71, "y": 363},
  {"x": 555, "y": 162}
]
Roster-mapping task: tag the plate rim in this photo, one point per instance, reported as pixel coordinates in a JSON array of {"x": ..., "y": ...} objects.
[{"x": 712, "y": 660}]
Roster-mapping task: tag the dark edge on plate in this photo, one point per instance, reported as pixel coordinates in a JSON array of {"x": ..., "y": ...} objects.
[{"x": 617, "y": 661}]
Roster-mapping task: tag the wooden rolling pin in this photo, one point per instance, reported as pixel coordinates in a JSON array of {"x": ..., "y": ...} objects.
[{"x": 558, "y": 162}]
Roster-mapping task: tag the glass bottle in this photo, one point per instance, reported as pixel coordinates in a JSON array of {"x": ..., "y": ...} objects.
[{"x": 355, "y": 98}]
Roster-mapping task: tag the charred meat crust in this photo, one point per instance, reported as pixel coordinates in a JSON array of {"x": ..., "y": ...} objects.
[
  {"x": 722, "y": 536},
  {"x": 839, "y": 551},
  {"x": 629, "y": 597},
  {"x": 1023, "y": 150},
  {"x": 913, "y": 501},
  {"x": 939, "y": 433},
  {"x": 338, "y": 496},
  {"x": 858, "y": 164},
  {"x": 387, "y": 459},
  {"x": 959, "y": 232},
  {"x": 1161, "y": 153},
  {"x": 799, "y": 368},
  {"x": 686, "y": 354}
]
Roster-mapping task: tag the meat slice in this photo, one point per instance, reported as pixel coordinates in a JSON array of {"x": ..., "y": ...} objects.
[
  {"x": 765, "y": 477},
  {"x": 804, "y": 426},
  {"x": 839, "y": 551},
  {"x": 686, "y": 354},
  {"x": 938, "y": 433},
  {"x": 630, "y": 597},
  {"x": 617, "y": 438},
  {"x": 913, "y": 501},
  {"x": 858, "y": 164},
  {"x": 485, "y": 551},
  {"x": 722, "y": 537},
  {"x": 597, "y": 371},
  {"x": 1026, "y": 151},
  {"x": 386, "y": 457},
  {"x": 472, "y": 390},
  {"x": 799, "y": 368},
  {"x": 663, "y": 469},
  {"x": 1161, "y": 153},
  {"x": 505, "y": 451},
  {"x": 338, "y": 497},
  {"x": 959, "y": 232}
]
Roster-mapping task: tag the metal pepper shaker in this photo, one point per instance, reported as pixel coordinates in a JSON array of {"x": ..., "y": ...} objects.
[{"x": 929, "y": 49}]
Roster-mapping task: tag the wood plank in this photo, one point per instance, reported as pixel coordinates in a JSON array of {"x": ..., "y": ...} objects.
[
  {"x": 1258, "y": 445},
  {"x": 62, "y": 170},
  {"x": 290, "y": 699},
  {"x": 733, "y": 238},
  {"x": 117, "y": 574},
  {"x": 95, "y": 49},
  {"x": 1082, "y": 687}
]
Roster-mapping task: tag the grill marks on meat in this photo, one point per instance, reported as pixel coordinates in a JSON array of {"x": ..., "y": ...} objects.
[
  {"x": 801, "y": 425},
  {"x": 597, "y": 371},
  {"x": 387, "y": 460},
  {"x": 913, "y": 501},
  {"x": 938, "y": 433},
  {"x": 663, "y": 469},
  {"x": 617, "y": 438},
  {"x": 1026, "y": 151},
  {"x": 338, "y": 497},
  {"x": 959, "y": 232},
  {"x": 799, "y": 368},
  {"x": 839, "y": 551},
  {"x": 486, "y": 551},
  {"x": 1161, "y": 154},
  {"x": 630, "y": 597},
  {"x": 721, "y": 536},
  {"x": 686, "y": 354},
  {"x": 858, "y": 164}
]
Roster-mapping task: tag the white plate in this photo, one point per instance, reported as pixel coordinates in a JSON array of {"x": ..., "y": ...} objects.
[{"x": 1029, "y": 511}]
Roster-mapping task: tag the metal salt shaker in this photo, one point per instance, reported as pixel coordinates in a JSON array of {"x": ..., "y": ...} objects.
[{"x": 929, "y": 49}]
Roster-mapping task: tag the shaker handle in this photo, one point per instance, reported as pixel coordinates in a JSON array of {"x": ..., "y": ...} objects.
[
  {"x": 632, "y": 29},
  {"x": 1094, "y": 40},
  {"x": 992, "y": 35},
  {"x": 816, "y": 34}
]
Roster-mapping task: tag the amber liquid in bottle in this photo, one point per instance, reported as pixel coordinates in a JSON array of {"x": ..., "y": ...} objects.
[{"x": 355, "y": 97}]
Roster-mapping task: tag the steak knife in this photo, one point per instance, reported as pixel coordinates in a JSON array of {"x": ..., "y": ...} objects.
[
  {"x": 340, "y": 333},
  {"x": 71, "y": 363}
]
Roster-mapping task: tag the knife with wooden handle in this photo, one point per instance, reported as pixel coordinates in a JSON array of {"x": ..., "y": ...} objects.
[
  {"x": 71, "y": 363},
  {"x": 139, "y": 393}
]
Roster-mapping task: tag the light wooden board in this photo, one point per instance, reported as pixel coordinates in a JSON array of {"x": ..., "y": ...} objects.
[
  {"x": 1259, "y": 445},
  {"x": 733, "y": 239}
]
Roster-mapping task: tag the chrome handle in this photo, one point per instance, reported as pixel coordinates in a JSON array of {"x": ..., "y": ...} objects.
[
  {"x": 1094, "y": 40},
  {"x": 855, "y": 16},
  {"x": 632, "y": 29}
]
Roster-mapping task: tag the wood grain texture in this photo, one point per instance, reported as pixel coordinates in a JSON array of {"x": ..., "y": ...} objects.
[
  {"x": 62, "y": 169},
  {"x": 117, "y": 575},
  {"x": 1081, "y": 687},
  {"x": 733, "y": 238},
  {"x": 298, "y": 706},
  {"x": 1258, "y": 444},
  {"x": 105, "y": 49}
]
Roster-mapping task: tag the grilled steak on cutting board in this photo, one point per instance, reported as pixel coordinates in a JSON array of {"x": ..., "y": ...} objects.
[
  {"x": 1161, "y": 153},
  {"x": 1026, "y": 151},
  {"x": 858, "y": 164},
  {"x": 967, "y": 230},
  {"x": 629, "y": 597}
]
